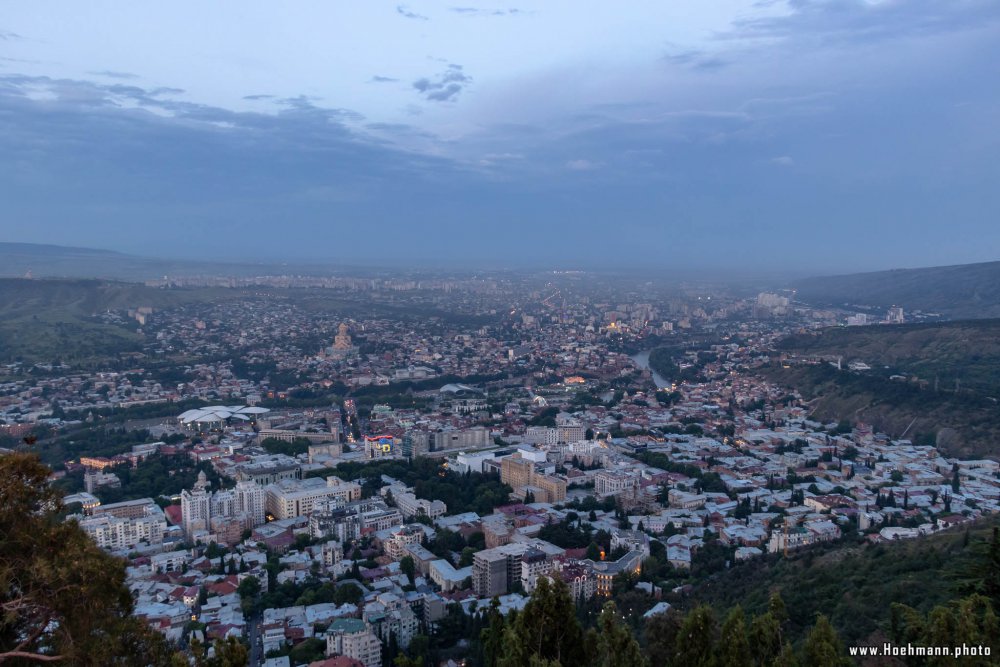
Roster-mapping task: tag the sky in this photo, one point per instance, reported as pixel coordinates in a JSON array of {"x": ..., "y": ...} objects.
[{"x": 813, "y": 135}]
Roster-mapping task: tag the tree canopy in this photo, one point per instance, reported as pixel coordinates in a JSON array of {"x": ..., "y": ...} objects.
[{"x": 64, "y": 599}]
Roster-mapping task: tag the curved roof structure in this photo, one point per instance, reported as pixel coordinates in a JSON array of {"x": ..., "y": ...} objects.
[{"x": 218, "y": 413}]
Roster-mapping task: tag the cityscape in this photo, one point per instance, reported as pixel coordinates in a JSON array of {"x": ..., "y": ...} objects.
[
  {"x": 418, "y": 335},
  {"x": 316, "y": 487}
]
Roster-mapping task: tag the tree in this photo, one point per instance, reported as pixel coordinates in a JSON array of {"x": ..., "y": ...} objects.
[
  {"x": 408, "y": 567},
  {"x": 696, "y": 639},
  {"x": 991, "y": 577},
  {"x": 822, "y": 646},
  {"x": 248, "y": 589},
  {"x": 660, "y": 634},
  {"x": 786, "y": 658},
  {"x": 616, "y": 646},
  {"x": 50, "y": 571},
  {"x": 228, "y": 653},
  {"x": 955, "y": 482},
  {"x": 765, "y": 638},
  {"x": 734, "y": 649},
  {"x": 492, "y": 635},
  {"x": 546, "y": 629}
]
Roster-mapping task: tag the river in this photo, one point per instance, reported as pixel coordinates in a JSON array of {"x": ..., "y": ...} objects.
[{"x": 642, "y": 361}]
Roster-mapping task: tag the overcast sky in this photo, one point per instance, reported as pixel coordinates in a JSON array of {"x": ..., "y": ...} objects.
[{"x": 832, "y": 135}]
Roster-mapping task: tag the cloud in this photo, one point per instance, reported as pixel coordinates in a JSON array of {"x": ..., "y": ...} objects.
[
  {"x": 695, "y": 59},
  {"x": 582, "y": 165},
  {"x": 402, "y": 10},
  {"x": 254, "y": 98},
  {"x": 783, "y": 161},
  {"x": 111, "y": 74},
  {"x": 7, "y": 36},
  {"x": 476, "y": 11},
  {"x": 491, "y": 159},
  {"x": 382, "y": 79},
  {"x": 445, "y": 86},
  {"x": 859, "y": 21}
]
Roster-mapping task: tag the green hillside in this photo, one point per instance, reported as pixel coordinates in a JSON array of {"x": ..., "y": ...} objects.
[
  {"x": 44, "y": 320},
  {"x": 855, "y": 585},
  {"x": 932, "y": 383},
  {"x": 965, "y": 425},
  {"x": 964, "y": 351},
  {"x": 962, "y": 291}
]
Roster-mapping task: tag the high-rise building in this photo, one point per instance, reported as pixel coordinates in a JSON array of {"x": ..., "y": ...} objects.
[
  {"x": 495, "y": 570},
  {"x": 205, "y": 511},
  {"x": 196, "y": 506},
  {"x": 251, "y": 500}
]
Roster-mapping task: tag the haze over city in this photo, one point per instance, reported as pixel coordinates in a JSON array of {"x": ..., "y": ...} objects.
[{"x": 817, "y": 137}]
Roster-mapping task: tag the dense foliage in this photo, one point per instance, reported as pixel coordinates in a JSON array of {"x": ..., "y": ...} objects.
[
  {"x": 469, "y": 492},
  {"x": 50, "y": 571}
]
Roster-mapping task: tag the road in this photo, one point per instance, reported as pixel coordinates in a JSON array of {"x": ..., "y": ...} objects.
[{"x": 253, "y": 635}]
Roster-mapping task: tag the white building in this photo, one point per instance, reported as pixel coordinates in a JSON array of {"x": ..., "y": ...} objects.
[
  {"x": 351, "y": 637},
  {"x": 409, "y": 505},
  {"x": 111, "y": 530},
  {"x": 291, "y": 498}
]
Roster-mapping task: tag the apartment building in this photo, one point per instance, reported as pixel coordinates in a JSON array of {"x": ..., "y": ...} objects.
[
  {"x": 495, "y": 570},
  {"x": 351, "y": 637},
  {"x": 291, "y": 498},
  {"x": 113, "y": 531}
]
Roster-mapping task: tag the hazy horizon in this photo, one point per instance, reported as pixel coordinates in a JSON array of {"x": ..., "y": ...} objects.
[{"x": 811, "y": 138}]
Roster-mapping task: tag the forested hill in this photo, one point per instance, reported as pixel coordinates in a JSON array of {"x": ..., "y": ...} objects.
[
  {"x": 966, "y": 352},
  {"x": 43, "y": 320},
  {"x": 856, "y": 586},
  {"x": 961, "y": 291},
  {"x": 936, "y": 384}
]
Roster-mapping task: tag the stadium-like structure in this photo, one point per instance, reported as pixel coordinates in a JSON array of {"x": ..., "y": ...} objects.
[{"x": 216, "y": 416}]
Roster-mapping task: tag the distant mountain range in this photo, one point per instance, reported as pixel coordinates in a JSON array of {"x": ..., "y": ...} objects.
[
  {"x": 957, "y": 292},
  {"x": 18, "y": 260}
]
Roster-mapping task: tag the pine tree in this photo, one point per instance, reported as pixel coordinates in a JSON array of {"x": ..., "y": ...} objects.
[
  {"x": 547, "y": 628},
  {"x": 765, "y": 639},
  {"x": 941, "y": 627},
  {"x": 734, "y": 649},
  {"x": 660, "y": 634},
  {"x": 492, "y": 635},
  {"x": 906, "y": 623},
  {"x": 616, "y": 645},
  {"x": 776, "y": 607},
  {"x": 822, "y": 646},
  {"x": 696, "y": 639},
  {"x": 786, "y": 658}
]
